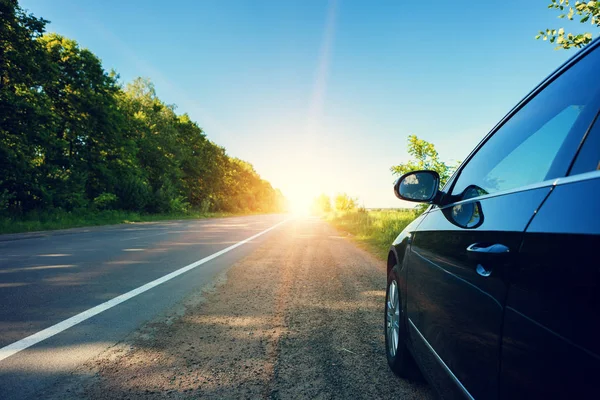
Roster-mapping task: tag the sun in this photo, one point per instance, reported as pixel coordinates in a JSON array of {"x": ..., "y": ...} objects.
[
  {"x": 299, "y": 198},
  {"x": 300, "y": 206},
  {"x": 300, "y": 191}
]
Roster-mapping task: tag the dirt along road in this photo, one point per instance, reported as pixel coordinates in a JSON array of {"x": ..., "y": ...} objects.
[{"x": 300, "y": 317}]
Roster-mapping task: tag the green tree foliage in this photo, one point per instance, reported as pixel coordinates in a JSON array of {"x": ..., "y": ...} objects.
[
  {"x": 425, "y": 157},
  {"x": 343, "y": 202},
  {"x": 24, "y": 116},
  {"x": 585, "y": 11},
  {"x": 72, "y": 137},
  {"x": 243, "y": 189},
  {"x": 321, "y": 204},
  {"x": 81, "y": 155}
]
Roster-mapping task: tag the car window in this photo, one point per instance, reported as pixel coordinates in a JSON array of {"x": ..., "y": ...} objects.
[
  {"x": 588, "y": 158},
  {"x": 539, "y": 141}
]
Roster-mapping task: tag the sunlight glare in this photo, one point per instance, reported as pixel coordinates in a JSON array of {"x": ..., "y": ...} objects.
[
  {"x": 300, "y": 205},
  {"x": 300, "y": 197}
]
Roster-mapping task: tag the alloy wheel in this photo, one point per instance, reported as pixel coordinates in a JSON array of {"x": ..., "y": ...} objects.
[{"x": 392, "y": 308}]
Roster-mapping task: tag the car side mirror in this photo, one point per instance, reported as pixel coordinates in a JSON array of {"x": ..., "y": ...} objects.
[{"x": 418, "y": 186}]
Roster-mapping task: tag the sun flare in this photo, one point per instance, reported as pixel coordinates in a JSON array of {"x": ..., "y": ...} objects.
[{"x": 300, "y": 205}]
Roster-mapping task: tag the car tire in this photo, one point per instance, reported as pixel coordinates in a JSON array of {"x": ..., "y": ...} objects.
[{"x": 399, "y": 358}]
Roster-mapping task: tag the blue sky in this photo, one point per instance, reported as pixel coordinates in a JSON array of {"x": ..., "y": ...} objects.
[{"x": 320, "y": 96}]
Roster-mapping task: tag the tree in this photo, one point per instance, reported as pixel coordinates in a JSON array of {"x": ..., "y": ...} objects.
[
  {"x": 425, "y": 157},
  {"x": 587, "y": 10},
  {"x": 83, "y": 156},
  {"x": 343, "y": 202},
  {"x": 24, "y": 116}
]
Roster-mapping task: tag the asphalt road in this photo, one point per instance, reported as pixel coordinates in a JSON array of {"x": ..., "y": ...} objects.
[{"x": 48, "y": 279}]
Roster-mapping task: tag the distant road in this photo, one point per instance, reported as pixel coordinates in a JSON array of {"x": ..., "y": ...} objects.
[{"x": 51, "y": 279}]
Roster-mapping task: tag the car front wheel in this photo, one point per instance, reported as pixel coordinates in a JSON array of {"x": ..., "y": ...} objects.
[{"x": 399, "y": 358}]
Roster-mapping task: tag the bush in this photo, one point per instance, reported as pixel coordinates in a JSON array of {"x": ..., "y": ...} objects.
[
  {"x": 5, "y": 198},
  {"x": 133, "y": 193},
  {"x": 179, "y": 205},
  {"x": 205, "y": 206},
  {"x": 106, "y": 201},
  {"x": 164, "y": 198},
  {"x": 343, "y": 202}
]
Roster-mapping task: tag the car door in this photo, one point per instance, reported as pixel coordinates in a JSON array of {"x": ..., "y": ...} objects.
[
  {"x": 550, "y": 346},
  {"x": 464, "y": 251}
]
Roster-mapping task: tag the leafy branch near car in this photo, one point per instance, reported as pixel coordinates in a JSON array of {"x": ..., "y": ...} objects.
[
  {"x": 73, "y": 137},
  {"x": 589, "y": 11}
]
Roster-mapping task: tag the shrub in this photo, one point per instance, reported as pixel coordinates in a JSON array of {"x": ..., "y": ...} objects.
[
  {"x": 105, "y": 201},
  {"x": 205, "y": 206},
  {"x": 178, "y": 204},
  {"x": 5, "y": 198},
  {"x": 133, "y": 193},
  {"x": 343, "y": 202}
]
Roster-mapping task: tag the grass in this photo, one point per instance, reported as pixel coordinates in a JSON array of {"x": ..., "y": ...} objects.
[
  {"x": 374, "y": 229},
  {"x": 59, "y": 219}
]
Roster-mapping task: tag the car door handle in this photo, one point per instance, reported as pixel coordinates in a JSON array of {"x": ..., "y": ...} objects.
[
  {"x": 491, "y": 249},
  {"x": 487, "y": 255}
]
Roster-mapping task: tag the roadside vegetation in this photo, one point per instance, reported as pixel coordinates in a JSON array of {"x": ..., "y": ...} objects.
[
  {"x": 79, "y": 147},
  {"x": 375, "y": 229}
]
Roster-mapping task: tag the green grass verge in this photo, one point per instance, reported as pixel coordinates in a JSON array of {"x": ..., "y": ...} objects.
[
  {"x": 59, "y": 219},
  {"x": 374, "y": 230}
]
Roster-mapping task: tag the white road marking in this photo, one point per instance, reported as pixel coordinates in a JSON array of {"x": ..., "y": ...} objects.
[{"x": 29, "y": 341}]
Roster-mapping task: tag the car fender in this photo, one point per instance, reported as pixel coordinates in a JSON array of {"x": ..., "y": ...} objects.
[{"x": 397, "y": 254}]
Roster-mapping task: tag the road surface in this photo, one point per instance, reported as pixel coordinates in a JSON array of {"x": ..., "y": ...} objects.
[{"x": 299, "y": 314}]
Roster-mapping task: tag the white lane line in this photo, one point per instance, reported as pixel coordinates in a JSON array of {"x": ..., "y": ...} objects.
[{"x": 29, "y": 341}]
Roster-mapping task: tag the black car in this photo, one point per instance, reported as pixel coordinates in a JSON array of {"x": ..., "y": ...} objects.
[{"x": 494, "y": 291}]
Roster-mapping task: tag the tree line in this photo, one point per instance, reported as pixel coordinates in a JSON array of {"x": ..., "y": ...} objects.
[{"x": 72, "y": 136}]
